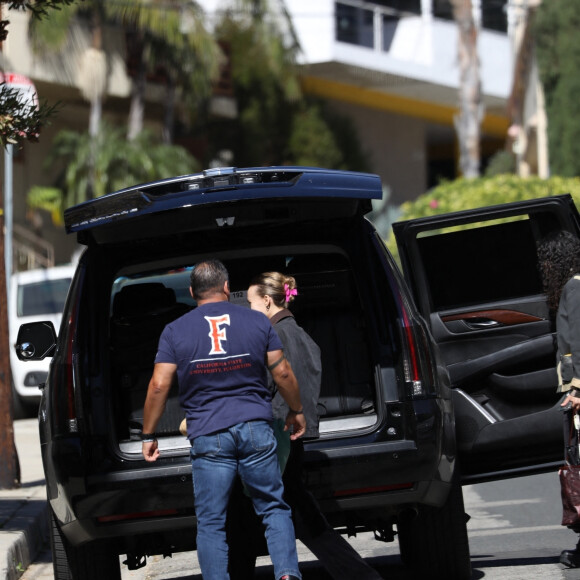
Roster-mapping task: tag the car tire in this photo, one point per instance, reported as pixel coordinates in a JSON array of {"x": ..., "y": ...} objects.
[
  {"x": 434, "y": 542},
  {"x": 87, "y": 562}
]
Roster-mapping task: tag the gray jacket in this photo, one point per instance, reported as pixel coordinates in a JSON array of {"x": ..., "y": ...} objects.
[
  {"x": 568, "y": 333},
  {"x": 304, "y": 356}
]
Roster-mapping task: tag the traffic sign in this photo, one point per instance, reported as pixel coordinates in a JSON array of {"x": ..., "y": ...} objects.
[{"x": 24, "y": 86}]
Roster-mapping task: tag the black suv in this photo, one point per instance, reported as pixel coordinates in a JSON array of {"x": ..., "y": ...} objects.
[{"x": 400, "y": 367}]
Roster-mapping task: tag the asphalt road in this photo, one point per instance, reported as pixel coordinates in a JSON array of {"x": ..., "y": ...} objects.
[{"x": 514, "y": 533}]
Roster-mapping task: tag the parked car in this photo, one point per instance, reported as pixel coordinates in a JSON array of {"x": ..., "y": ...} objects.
[
  {"x": 37, "y": 294},
  {"x": 421, "y": 386}
]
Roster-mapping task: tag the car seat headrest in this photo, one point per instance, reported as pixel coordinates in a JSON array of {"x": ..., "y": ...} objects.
[{"x": 140, "y": 299}]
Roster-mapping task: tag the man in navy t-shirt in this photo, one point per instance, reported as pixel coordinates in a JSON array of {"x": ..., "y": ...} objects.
[{"x": 220, "y": 353}]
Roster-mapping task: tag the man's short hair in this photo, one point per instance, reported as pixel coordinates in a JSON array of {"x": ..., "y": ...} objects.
[{"x": 208, "y": 277}]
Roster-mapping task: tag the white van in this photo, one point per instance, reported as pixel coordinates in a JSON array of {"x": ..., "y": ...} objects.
[{"x": 34, "y": 295}]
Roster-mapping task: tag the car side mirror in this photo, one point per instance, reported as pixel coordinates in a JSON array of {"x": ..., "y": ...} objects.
[{"x": 36, "y": 341}]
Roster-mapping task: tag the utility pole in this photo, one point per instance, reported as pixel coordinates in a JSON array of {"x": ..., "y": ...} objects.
[
  {"x": 467, "y": 122},
  {"x": 9, "y": 464}
]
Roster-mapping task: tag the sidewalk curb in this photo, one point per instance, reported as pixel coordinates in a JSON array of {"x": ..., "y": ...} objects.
[{"x": 23, "y": 537}]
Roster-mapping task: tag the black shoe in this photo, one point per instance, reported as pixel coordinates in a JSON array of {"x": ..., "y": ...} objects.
[{"x": 570, "y": 558}]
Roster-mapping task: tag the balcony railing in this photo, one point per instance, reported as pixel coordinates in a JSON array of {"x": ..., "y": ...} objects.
[
  {"x": 373, "y": 25},
  {"x": 30, "y": 251},
  {"x": 367, "y": 25}
]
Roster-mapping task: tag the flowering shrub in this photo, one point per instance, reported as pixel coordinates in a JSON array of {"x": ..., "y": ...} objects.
[{"x": 463, "y": 194}]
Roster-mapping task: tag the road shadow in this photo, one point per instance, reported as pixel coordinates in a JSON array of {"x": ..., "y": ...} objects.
[
  {"x": 37, "y": 483},
  {"x": 522, "y": 561},
  {"x": 389, "y": 567}
]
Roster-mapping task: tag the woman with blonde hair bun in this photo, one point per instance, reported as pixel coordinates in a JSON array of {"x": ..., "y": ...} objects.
[
  {"x": 279, "y": 288},
  {"x": 271, "y": 293}
]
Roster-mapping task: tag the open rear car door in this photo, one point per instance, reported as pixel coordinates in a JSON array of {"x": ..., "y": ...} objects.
[{"x": 475, "y": 279}]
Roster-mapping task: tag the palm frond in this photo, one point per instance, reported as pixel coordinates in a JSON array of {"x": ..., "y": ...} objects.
[
  {"x": 51, "y": 32},
  {"x": 49, "y": 199},
  {"x": 94, "y": 167}
]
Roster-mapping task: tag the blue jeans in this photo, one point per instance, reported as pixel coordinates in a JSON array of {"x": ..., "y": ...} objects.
[{"x": 247, "y": 449}]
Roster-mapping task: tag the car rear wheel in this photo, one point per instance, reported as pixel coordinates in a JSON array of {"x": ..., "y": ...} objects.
[
  {"x": 435, "y": 542},
  {"x": 87, "y": 562}
]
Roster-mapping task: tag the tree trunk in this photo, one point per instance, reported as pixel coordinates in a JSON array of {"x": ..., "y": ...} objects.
[
  {"x": 137, "y": 110},
  {"x": 96, "y": 101},
  {"x": 9, "y": 465},
  {"x": 169, "y": 116},
  {"x": 467, "y": 122}
]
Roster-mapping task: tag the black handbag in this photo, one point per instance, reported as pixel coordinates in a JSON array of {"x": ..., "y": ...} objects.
[{"x": 570, "y": 474}]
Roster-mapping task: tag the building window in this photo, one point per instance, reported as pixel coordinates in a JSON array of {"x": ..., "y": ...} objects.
[
  {"x": 493, "y": 13},
  {"x": 354, "y": 25},
  {"x": 388, "y": 32},
  {"x": 412, "y": 6},
  {"x": 442, "y": 9}
]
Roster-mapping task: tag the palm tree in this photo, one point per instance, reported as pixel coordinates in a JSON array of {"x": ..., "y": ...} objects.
[
  {"x": 190, "y": 77},
  {"x": 162, "y": 33},
  {"x": 53, "y": 33},
  {"x": 263, "y": 57},
  {"x": 267, "y": 27},
  {"x": 118, "y": 164},
  {"x": 467, "y": 123},
  {"x": 167, "y": 35},
  {"x": 276, "y": 123}
]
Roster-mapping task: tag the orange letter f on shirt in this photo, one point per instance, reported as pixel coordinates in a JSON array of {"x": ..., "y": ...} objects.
[{"x": 216, "y": 333}]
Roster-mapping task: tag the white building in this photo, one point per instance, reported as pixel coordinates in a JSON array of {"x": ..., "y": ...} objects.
[{"x": 390, "y": 65}]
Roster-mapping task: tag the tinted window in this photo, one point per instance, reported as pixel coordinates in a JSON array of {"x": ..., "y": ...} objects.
[
  {"x": 322, "y": 279},
  {"x": 354, "y": 25},
  {"x": 44, "y": 297},
  {"x": 151, "y": 291},
  {"x": 413, "y": 6},
  {"x": 390, "y": 24},
  {"x": 493, "y": 13},
  {"x": 442, "y": 9},
  {"x": 482, "y": 264}
]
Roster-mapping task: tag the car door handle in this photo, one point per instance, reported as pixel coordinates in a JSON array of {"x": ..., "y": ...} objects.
[
  {"x": 487, "y": 318},
  {"x": 482, "y": 323}
]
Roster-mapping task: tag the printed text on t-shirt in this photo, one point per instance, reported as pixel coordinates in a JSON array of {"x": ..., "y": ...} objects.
[{"x": 205, "y": 367}]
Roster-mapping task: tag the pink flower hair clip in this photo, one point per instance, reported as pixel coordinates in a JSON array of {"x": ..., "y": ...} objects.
[{"x": 289, "y": 292}]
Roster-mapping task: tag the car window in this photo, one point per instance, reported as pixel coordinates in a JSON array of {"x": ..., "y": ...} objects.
[
  {"x": 44, "y": 297},
  {"x": 148, "y": 291},
  {"x": 462, "y": 267}
]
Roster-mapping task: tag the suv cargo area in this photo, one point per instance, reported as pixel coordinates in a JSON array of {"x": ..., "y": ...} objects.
[{"x": 328, "y": 307}]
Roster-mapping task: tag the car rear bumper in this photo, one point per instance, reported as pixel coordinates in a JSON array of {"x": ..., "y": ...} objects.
[{"x": 345, "y": 475}]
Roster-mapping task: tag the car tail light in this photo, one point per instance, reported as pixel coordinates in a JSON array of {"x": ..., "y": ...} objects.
[
  {"x": 417, "y": 356},
  {"x": 418, "y": 359}
]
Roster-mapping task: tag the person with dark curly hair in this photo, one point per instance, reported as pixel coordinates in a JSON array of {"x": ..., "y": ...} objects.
[{"x": 559, "y": 264}]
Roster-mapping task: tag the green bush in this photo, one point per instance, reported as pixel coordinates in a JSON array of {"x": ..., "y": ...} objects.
[
  {"x": 555, "y": 32},
  {"x": 463, "y": 194}
]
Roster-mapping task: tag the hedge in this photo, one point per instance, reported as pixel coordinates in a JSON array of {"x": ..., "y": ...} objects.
[{"x": 463, "y": 194}]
